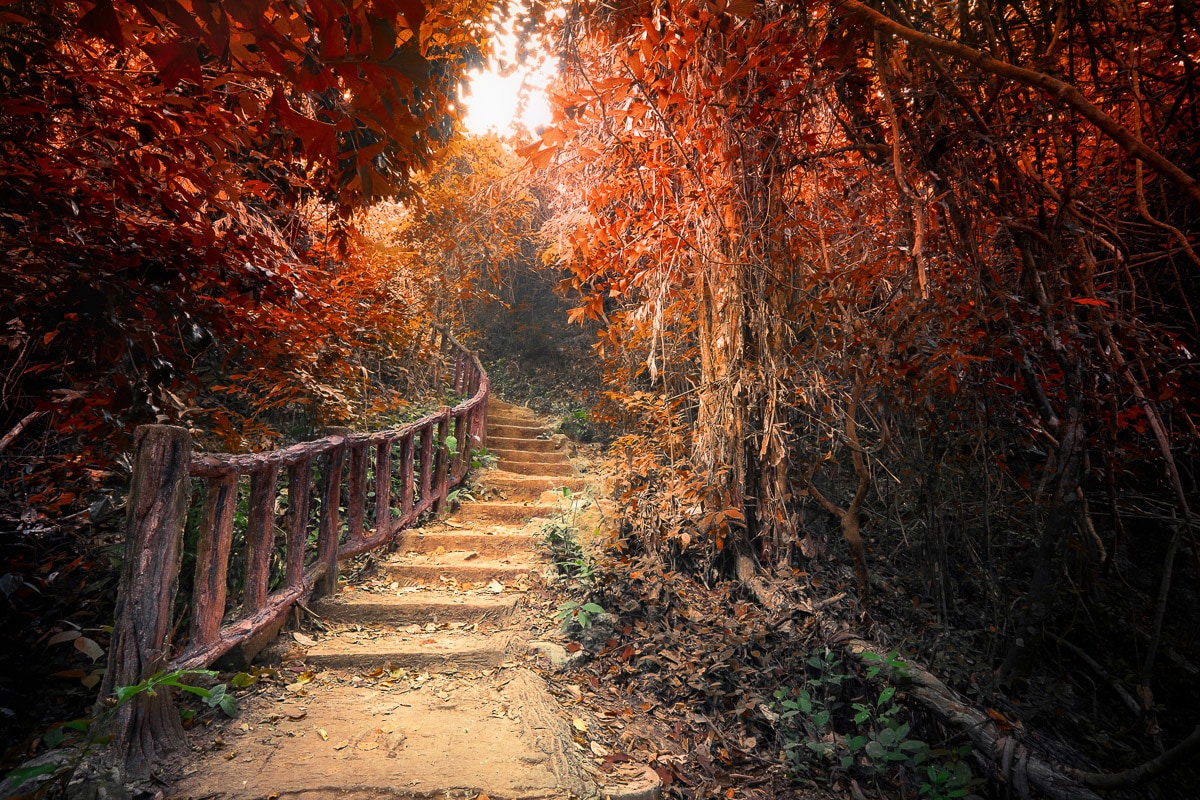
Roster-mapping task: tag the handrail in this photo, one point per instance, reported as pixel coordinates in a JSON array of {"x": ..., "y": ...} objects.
[{"x": 417, "y": 457}]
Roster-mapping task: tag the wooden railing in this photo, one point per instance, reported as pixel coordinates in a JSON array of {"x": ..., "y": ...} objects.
[{"x": 351, "y": 477}]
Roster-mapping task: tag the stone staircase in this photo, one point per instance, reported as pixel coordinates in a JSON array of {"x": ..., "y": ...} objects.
[{"x": 417, "y": 687}]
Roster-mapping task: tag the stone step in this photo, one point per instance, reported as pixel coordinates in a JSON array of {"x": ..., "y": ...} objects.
[
  {"x": 522, "y": 455},
  {"x": 428, "y": 570},
  {"x": 548, "y": 469},
  {"x": 490, "y": 543},
  {"x": 504, "y": 511},
  {"x": 501, "y": 407},
  {"x": 525, "y": 432},
  {"x": 529, "y": 487},
  {"x": 362, "y": 607},
  {"x": 528, "y": 445},
  {"x": 520, "y": 420},
  {"x": 491, "y": 736},
  {"x": 463, "y": 650}
]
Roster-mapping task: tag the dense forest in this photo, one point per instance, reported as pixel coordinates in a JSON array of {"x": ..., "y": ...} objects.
[{"x": 895, "y": 305}]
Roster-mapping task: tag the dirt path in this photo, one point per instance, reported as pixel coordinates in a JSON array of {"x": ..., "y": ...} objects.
[{"x": 421, "y": 684}]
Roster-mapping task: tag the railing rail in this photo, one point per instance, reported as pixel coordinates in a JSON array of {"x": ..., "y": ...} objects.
[{"x": 419, "y": 459}]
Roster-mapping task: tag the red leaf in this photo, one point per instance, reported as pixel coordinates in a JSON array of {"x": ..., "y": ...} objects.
[
  {"x": 1089, "y": 301},
  {"x": 175, "y": 61},
  {"x": 414, "y": 12},
  {"x": 102, "y": 22},
  {"x": 248, "y": 12},
  {"x": 184, "y": 19},
  {"x": 320, "y": 138},
  {"x": 328, "y": 15},
  {"x": 216, "y": 28}
]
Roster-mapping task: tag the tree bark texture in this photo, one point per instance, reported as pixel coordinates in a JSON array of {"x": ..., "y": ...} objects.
[
  {"x": 331, "y": 518},
  {"x": 147, "y": 728}
]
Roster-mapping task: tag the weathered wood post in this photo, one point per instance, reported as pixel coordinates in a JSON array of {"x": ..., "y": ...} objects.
[
  {"x": 443, "y": 463},
  {"x": 383, "y": 487},
  {"x": 426, "y": 460},
  {"x": 461, "y": 461},
  {"x": 406, "y": 477},
  {"x": 356, "y": 491},
  {"x": 331, "y": 521},
  {"x": 213, "y": 542},
  {"x": 147, "y": 728},
  {"x": 260, "y": 536},
  {"x": 299, "y": 496}
]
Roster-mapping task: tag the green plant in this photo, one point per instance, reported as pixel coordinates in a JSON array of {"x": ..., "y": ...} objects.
[
  {"x": 892, "y": 664},
  {"x": 82, "y": 736},
  {"x": 886, "y": 739},
  {"x": 578, "y": 425},
  {"x": 482, "y": 459},
  {"x": 868, "y": 735},
  {"x": 559, "y": 536},
  {"x": 583, "y": 613},
  {"x": 949, "y": 779}
]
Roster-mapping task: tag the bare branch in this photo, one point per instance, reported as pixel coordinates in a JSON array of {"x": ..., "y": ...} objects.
[{"x": 1066, "y": 93}]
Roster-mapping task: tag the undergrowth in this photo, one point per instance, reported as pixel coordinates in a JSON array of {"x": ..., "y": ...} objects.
[{"x": 736, "y": 697}]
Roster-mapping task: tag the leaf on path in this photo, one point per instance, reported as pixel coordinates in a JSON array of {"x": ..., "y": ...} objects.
[
  {"x": 496, "y": 587},
  {"x": 243, "y": 680},
  {"x": 580, "y": 724},
  {"x": 322, "y": 733},
  {"x": 306, "y": 641}
]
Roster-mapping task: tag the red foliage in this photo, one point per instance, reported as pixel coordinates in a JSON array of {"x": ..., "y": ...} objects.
[{"x": 175, "y": 178}]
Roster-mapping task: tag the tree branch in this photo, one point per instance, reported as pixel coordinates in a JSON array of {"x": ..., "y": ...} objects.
[
  {"x": 1066, "y": 93},
  {"x": 11, "y": 436}
]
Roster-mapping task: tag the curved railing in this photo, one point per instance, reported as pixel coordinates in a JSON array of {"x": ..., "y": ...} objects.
[{"x": 341, "y": 495}]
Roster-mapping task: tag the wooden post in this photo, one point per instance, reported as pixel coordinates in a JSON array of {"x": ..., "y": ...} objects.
[
  {"x": 406, "y": 477},
  {"x": 443, "y": 464},
  {"x": 356, "y": 499},
  {"x": 146, "y": 729},
  {"x": 462, "y": 458},
  {"x": 299, "y": 491},
  {"x": 331, "y": 521},
  {"x": 260, "y": 536},
  {"x": 212, "y": 557},
  {"x": 383, "y": 487},
  {"x": 426, "y": 460}
]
